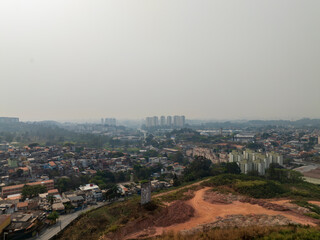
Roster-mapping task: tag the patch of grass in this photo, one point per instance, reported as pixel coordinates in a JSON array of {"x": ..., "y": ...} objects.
[{"x": 315, "y": 209}]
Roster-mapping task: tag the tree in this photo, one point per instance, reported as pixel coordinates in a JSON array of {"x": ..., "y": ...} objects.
[
  {"x": 199, "y": 168},
  {"x": 176, "y": 181},
  {"x": 32, "y": 145},
  {"x": 32, "y": 191},
  {"x": 53, "y": 216},
  {"x": 19, "y": 172},
  {"x": 169, "y": 168},
  {"x": 278, "y": 173},
  {"x": 113, "y": 192},
  {"x": 233, "y": 168},
  {"x": 178, "y": 157},
  {"x": 51, "y": 199},
  {"x": 255, "y": 146}
]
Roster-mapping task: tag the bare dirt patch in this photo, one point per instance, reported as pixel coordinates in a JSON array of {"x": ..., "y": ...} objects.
[
  {"x": 213, "y": 209},
  {"x": 206, "y": 212},
  {"x": 178, "y": 212}
]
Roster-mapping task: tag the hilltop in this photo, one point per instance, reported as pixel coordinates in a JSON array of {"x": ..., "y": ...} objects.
[{"x": 209, "y": 209}]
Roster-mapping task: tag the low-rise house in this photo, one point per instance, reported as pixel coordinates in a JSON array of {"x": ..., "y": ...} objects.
[
  {"x": 58, "y": 207},
  {"x": 8, "y": 207},
  {"x": 76, "y": 201},
  {"x": 24, "y": 225},
  {"x": 22, "y": 206}
]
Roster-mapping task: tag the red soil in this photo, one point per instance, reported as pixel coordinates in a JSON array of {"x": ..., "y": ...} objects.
[{"x": 205, "y": 212}]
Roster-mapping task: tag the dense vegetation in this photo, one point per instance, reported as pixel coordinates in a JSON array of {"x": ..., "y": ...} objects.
[
  {"x": 202, "y": 167},
  {"x": 260, "y": 187}
]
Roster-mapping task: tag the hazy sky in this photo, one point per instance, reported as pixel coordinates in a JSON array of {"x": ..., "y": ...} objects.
[{"x": 84, "y": 59}]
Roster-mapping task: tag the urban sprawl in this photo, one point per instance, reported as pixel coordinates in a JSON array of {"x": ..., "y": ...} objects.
[{"x": 50, "y": 170}]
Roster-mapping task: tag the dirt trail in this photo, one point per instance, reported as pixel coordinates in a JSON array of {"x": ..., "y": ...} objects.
[{"x": 175, "y": 190}]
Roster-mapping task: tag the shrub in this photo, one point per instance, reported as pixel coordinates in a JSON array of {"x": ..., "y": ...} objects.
[{"x": 259, "y": 189}]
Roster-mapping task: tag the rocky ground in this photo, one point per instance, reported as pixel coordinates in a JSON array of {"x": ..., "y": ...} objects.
[{"x": 242, "y": 221}]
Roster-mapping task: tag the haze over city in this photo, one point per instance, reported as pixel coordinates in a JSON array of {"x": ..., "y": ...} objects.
[
  {"x": 73, "y": 60},
  {"x": 159, "y": 119}
]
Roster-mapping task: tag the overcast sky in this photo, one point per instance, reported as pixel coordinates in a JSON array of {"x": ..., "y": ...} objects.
[{"x": 86, "y": 59}]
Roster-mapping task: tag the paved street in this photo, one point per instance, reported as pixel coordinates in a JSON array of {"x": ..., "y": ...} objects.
[{"x": 64, "y": 221}]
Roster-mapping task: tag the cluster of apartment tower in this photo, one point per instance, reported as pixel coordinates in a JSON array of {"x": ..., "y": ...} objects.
[
  {"x": 169, "y": 121},
  {"x": 249, "y": 161},
  {"x": 109, "y": 121}
]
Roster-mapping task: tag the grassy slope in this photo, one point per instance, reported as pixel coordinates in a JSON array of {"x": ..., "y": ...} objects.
[{"x": 95, "y": 223}]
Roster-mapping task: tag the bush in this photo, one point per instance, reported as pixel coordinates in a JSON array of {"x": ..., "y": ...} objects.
[
  {"x": 252, "y": 186},
  {"x": 228, "y": 179},
  {"x": 259, "y": 189}
]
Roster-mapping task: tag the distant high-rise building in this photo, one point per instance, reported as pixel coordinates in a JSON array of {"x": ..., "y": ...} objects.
[
  {"x": 176, "y": 121},
  {"x": 169, "y": 120},
  {"x": 102, "y": 121},
  {"x": 179, "y": 121},
  {"x": 152, "y": 121},
  {"x": 149, "y": 122},
  {"x": 183, "y": 120},
  {"x": 155, "y": 121},
  {"x": 110, "y": 121},
  {"x": 162, "y": 121}
]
